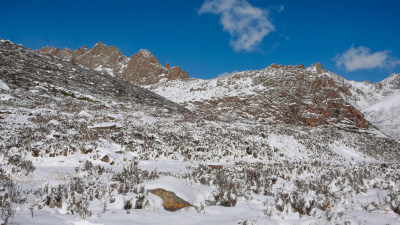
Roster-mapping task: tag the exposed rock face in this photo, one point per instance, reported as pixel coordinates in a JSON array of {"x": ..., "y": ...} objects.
[
  {"x": 145, "y": 69},
  {"x": 142, "y": 68},
  {"x": 171, "y": 201},
  {"x": 316, "y": 68},
  {"x": 304, "y": 97},
  {"x": 100, "y": 58},
  {"x": 289, "y": 94},
  {"x": 175, "y": 73}
]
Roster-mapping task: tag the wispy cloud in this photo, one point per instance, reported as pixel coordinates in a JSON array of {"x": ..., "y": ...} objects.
[
  {"x": 362, "y": 58},
  {"x": 226, "y": 74},
  {"x": 247, "y": 25}
]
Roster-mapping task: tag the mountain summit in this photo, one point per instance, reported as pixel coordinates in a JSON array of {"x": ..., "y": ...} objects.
[{"x": 142, "y": 68}]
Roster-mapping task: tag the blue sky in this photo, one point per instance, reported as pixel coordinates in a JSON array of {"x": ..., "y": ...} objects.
[{"x": 355, "y": 39}]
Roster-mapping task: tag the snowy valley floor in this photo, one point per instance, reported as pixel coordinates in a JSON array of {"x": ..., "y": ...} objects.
[{"x": 366, "y": 207}]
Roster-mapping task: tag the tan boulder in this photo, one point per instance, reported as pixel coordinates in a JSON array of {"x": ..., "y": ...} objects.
[{"x": 171, "y": 201}]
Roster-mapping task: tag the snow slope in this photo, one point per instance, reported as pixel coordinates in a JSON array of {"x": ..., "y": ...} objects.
[
  {"x": 380, "y": 103},
  {"x": 385, "y": 115}
]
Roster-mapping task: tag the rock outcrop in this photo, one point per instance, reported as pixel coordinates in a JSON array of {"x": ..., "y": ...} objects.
[
  {"x": 316, "y": 68},
  {"x": 290, "y": 94},
  {"x": 305, "y": 96},
  {"x": 142, "y": 68},
  {"x": 171, "y": 201}
]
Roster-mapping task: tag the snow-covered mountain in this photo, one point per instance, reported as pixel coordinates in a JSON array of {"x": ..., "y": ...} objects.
[
  {"x": 81, "y": 147},
  {"x": 289, "y": 94},
  {"x": 293, "y": 95},
  {"x": 380, "y": 103}
]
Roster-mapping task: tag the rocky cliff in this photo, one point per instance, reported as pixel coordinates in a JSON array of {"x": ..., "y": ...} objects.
[{"x": 142, "y": 68}]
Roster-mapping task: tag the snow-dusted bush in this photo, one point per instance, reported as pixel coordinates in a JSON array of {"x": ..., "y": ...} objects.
[
  {"x": 10, "y": 195},
  {"x": 131, "y": 176},
  {"x": 395, "y": 202}
]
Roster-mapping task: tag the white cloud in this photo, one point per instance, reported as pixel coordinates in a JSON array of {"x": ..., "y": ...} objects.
[
  {"x": 226, "y": 74},
  {"x": 362, "y": 58},
  {"x": 246, "y": 24}
]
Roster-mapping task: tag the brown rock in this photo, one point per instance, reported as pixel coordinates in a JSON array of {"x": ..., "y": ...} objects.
[
  {"x": 50, "y": 50},
  {"x": 318, "y": 67},
  {"x": 173, "y": 73},
  {"x": 275, "y": 66},
  {"x": 171, "y": 201},
  {"x": 142, "y": 68},
  {"x": 301, "y": 66},
  {"x": 105, "y": 159},
  {"x": 309, "y": 123},
  {"x": 295, "y": 95},
  {"x": 35, "y": 154},
  {"x": 215, "y": 167},
  {"x": 86, "y": 151},
  {"x": 101, "y": 58}
]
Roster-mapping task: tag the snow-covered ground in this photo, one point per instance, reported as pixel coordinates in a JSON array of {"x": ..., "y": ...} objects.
[
  {"x": 66, "y": 158},
  {"x": 385, "y": 115}
]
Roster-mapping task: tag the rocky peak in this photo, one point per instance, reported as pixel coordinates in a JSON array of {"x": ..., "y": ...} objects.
[
  {"x": 145, "y": 56},
  {"x": 144, "y": 68},
  {"x": 141, "y": 68},
  {"x": 49, "y": 50},
  {"x": 99, "y": 43},
  {"x": 289, "y": 67},
  {"x": 146, "y": 53},
  {"x": 275, "y": 66},
  {"x": 65, "y": 54},
  {"x": 316, "y": 68},
  {"x": 176, "y": 73}
]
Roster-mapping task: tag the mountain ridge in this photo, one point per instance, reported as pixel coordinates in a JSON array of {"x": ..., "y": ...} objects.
[
  {"x": 78, "y": 81},
  {"x": 301, "y": 84},
  {"x": 142, "y": 68},
  {"x": 292, "y": 94}
]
